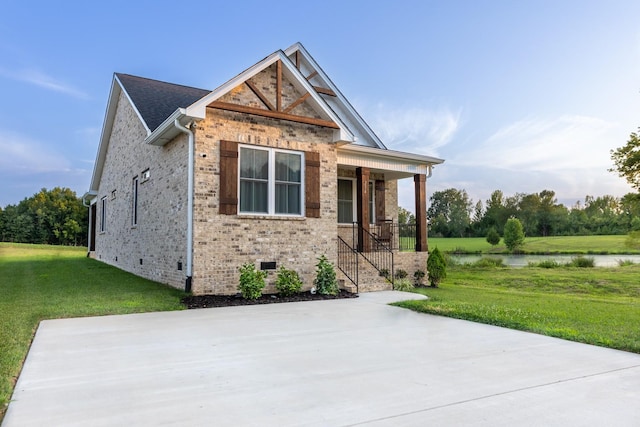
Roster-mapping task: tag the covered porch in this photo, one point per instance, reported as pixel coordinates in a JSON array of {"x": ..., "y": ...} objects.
[
  {"x": 368, "y": 196},
  {"x": 368, "y": 227}
]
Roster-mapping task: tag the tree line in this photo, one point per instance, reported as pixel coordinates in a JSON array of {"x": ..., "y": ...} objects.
[
  {"x": 452, "y": 213},
  {"x": 53, "y": 217}
]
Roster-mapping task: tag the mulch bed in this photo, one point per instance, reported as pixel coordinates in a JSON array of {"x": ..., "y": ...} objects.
[{"x": 205, "y": 301}]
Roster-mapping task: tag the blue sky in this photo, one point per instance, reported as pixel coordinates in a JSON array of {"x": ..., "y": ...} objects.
[{"x": 519, "y": 96}]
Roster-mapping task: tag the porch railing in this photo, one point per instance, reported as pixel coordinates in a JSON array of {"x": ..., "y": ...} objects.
[
  {"x": 348, "y": 261},
  {"x": 376, "y": 252},
  {"x": 397, "y": 237}
]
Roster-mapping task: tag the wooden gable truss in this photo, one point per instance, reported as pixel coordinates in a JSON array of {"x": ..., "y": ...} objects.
[{"x": 279, "y": 110}]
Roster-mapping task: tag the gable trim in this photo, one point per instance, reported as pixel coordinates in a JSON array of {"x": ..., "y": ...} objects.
[
  {"x": 344, "y": 134},
  {"x": 298, "y": 51}
]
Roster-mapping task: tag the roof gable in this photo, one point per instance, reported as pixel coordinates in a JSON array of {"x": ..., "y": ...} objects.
[
  {"x": 312, "y": 98},
  {"x": 312, "y": 72}
]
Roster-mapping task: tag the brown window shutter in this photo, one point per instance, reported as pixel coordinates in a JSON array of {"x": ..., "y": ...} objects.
[
  {"x": 228, "y": 177},
  {"x": 312, "y": 184}
]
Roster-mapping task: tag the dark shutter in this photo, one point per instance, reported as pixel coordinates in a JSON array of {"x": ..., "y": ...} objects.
[
  {"x": 312, "y": 184},
  {"x": 228, "y": 178}
]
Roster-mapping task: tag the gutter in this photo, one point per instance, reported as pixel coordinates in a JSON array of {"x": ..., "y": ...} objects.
[{"x": 189, "y": 132}]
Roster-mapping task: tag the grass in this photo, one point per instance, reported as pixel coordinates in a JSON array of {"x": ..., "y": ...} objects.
[
  {"x": 539, "y": 245},
  {"x": 599, "y": 306},
  {"x": 40, "y": 282}
]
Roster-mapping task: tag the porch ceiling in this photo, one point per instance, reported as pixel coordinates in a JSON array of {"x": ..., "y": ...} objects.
[{"x": 393, "y": 164}]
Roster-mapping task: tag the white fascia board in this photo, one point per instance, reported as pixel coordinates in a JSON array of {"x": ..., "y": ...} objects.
[
  {"x": 198, "y": 108},
  {"x": 343, "y": 100},
  {"x": 370, "y": 152},
  {"x": 105, "y": 135}
]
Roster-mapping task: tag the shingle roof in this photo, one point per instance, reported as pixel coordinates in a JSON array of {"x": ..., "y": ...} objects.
[{"x": 156, "y": 100}]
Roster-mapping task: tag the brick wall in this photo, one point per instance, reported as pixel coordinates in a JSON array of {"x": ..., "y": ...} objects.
[
  {"x": 159, "y": 238},
  {"x": 224, "y": 242}
]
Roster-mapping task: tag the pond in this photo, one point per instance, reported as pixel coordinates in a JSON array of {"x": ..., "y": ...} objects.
[{"x": 524, "y": 260}]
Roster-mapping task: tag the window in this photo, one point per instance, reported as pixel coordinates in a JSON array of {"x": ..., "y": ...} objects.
[
  {"x": 270, "y": 181},
  {"x": 134, "y": 202},
  {"x": 103, "y": 214},
  {"x": 145, "y": 175},
  {"x": 347, "y": 201}
]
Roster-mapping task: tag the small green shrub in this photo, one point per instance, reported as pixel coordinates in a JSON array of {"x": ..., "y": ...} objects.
[
  {"x": 325, "y": 281},
  {"x": 489, "y": 262},
  {"x": 403, "y": 284},
  {"x": 288, "y": 282},
  {"x": 436, "y": 267},
  {"x": 418, "y": 275},
  {"x": 251, "y": 281},
  {"x": 582, "y": 262},
  {"x": 513, "y": 234},
  {"x": 493, "y": 238},
  {"x": 400, "y": 274},
  {"x": 625, "y": 262},
  {"x": 384, "y": 273}
]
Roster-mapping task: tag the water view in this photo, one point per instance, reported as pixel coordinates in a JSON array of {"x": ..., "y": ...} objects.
[{"x": 524, "y": 260}]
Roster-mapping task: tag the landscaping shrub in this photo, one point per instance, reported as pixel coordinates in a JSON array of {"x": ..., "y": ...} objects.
[
  {"x": 582, "y": 262},
  {"x": 625, "y": 262},
  {"x": 493, "y": 238},
  {"x": 400, "y": 274},
  {"x": 384, "y": 273},
  {"x": 288, "y": 282},
  {"x": 436, "y": 267},
  {"x": 403, "y": 284},
  {"x": 251, "y": 281},
  {"x": 325, "y": 281}
]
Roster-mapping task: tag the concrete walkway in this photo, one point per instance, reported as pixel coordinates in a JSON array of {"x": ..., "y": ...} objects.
[{"x": 325, "y": 363}]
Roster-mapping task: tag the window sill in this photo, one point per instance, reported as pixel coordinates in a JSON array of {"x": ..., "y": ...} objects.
[{"x": 272, "y": 217}]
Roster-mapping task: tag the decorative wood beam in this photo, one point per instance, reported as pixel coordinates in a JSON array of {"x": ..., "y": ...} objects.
[
  {"x": 273, "y": 114},
  {"x": 420, "y": 184},
  {"x": 278, "y": 86},
  {"x": 324, "y": 91},
  {"x": 260, "y": 95},
  {"x": 312, "y": 75},
  {"x": 362, "y": 209},
  {"x": 298, "y": 59},
  {"x": 297, "y": 102}
]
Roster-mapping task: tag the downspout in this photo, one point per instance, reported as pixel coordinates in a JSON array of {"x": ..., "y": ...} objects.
[{"x": 187, "y": 285}]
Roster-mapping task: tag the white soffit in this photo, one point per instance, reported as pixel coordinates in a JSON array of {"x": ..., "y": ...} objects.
[{"x": 385, "y": 160}]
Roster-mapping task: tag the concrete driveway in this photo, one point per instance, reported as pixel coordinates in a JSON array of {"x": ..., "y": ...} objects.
[{"x": 325, "y": 363}]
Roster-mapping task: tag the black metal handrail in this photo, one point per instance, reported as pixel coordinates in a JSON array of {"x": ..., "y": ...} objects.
[
  {"x": 397, "y": 237},
  {"x": 348, "y": 261},
  {"x": 376, "y": 252}
]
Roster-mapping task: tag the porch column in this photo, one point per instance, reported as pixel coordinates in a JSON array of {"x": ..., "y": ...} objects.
[
  {"x": 362, "y": 209},
  {"x": 420, "y": 182}
]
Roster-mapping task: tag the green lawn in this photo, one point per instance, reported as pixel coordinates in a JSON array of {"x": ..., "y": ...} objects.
[
  {"x": 47, "y": 282},
  {"x": 539, "y": 245},
  {"x": 598, "y": 306}
]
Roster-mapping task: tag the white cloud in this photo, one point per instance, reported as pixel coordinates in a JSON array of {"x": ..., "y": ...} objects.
[
  {"x": 38, "y": 78},
  {"x": 20, "y": 154},
  {"x": 567, "y": 142},
  {"x": 415, "y": 129}
]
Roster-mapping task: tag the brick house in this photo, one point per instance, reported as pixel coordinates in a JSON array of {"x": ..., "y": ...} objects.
[{"x": 273, "y": 167}]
